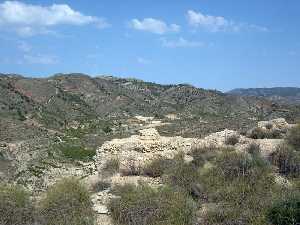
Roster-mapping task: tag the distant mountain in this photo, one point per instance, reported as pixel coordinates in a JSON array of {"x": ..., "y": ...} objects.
[{"x": 290, "y": 95}]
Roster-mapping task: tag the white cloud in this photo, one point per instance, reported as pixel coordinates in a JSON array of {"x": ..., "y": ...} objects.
[
  {"x": 181, "y": 43},
  {"x": 40, "y": 59},
  {"x": 212, "y": 23},
  {"x": 153, "y": 25},
  {"x": 27, "y": 19},
  {"x": 142, "y": 60},
  {"x": 218, "y": 23}
]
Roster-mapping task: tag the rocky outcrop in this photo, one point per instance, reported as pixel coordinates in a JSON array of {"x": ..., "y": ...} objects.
[
  {"x": 138, "y": 150},
  {"x": 279, "y": 124}
]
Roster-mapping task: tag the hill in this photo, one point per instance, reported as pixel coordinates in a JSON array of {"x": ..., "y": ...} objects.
[
  {"x": 289, "y": 95},
  {"x": 67, "y": 100}
]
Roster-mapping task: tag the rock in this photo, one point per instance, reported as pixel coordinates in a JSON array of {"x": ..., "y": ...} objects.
[
  {"x": 100, "y": 209},
  {"x": 118, "y": 180},
  {"x": 268, "y": 146},
  {"x": 138, "y": 150},
  {"x": 276, "y": 124}
]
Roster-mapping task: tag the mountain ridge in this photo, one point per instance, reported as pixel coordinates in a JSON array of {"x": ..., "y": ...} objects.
[{"x": 289, "y": 95}]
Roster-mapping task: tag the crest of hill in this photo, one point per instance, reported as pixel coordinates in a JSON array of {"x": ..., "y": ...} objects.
[{"x": 290, "y": 95}]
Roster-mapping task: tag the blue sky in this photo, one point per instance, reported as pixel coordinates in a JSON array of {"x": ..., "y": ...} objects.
[{"x": 208, "y": 43}]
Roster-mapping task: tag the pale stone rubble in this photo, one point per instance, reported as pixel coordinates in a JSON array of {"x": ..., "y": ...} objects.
[{"x": 138, "y": 150}]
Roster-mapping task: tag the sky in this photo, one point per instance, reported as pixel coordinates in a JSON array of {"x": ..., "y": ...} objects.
[{"x": 207, "y": 43}]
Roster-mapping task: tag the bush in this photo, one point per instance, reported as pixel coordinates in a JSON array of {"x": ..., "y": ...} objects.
[
  {"x": 203, "y": 154},
  {"x": 132, "y": 169},
  {"x": 253, "y": 149},
  {"x": 157, "y": 167},
  {"x": 238, "y": 164},
  {"x": 112, "y": 166},
  {"x": 77, "y": 152},
  {"x": 66, "y": 203},
  {"x": 143, "y": 205},
  {"x": 242, "y": 186},
  {"x": 287, "y": 160},
  {"x": 285, "y": 212},
  {"x": 232, "y": 139},
  {"x": 184, "y": 176},
  {"x": 293, "y": 137},
  {"x": 260, "y": 133},
  {"x": 15, "y": 206}
]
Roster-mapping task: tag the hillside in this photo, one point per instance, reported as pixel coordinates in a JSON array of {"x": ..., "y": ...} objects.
[
  {"x": 67, "y": 100},
  {"x": 84, "y": 111},
  {"x": 289, "y": 95},
  {"x": 106, "y": 130}
]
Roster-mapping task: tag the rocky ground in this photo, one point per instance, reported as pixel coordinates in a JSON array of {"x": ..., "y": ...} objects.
[
  {"x": 138, "y": 150},
  {"x": 35, "y": 169},
  {"x": 73, "y": 125}
]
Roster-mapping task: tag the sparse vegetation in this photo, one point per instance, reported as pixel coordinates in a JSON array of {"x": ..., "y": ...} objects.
[
  {"x": 242, "y": 187},
  {"x": 157, "y": 167},
  {"x": 132, "y": 169},
  {"x": 143, "y": 205},
  {"x": 15, "y": 206},
  {"x": 184, "y": 176},
  {"x": 100, "y": 186},
  {"x": 203, "y": 155},
  {"x": 293, "y": 137},
  {"x": 232, "y": 139},
  {"x": 261, "y": 133},
  {"x": 253, "y": 149},
  {"x": 112, "y": 166},
  {"x": 286, "y": 212},
  {"x": 66, "y": 203},
  {"x": 76, "y": 152},
  {"x": 287, "y": 160}
]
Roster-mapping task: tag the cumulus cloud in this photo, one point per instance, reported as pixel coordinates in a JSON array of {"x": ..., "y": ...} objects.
[
  {"x": 218, "y": 23},
  {"x": 154, "y": 26},
  {"x": 181, "y": 43},
  {"x": 27, "y": 19}
]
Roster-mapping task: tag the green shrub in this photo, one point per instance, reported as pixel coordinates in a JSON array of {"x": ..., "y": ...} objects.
[
  {"x": 77, "y": 153},
  {"x": 184, "y": 176},
  {"x": 66, "y": 203},
  {"x": 244, "y": 186},
  {"x": 287, "y": 160},
  {"x": 260, "y": 133},
  {"x": 203, "y": 154},
  {"x": 232, "y": 139},
  {"x": 253, "y": 149},
  {"x": 157, "y": 167},
  {"x": 15, "y": 206},
  {"x": 112, "y": 166},
  {"x": 143, "y": 205},
  {"x": 285, "y": 212},
  {"x": 293, "y": 137},
  {"x": 238, "y": 164},
  {"x": 107, "y": 129}
]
